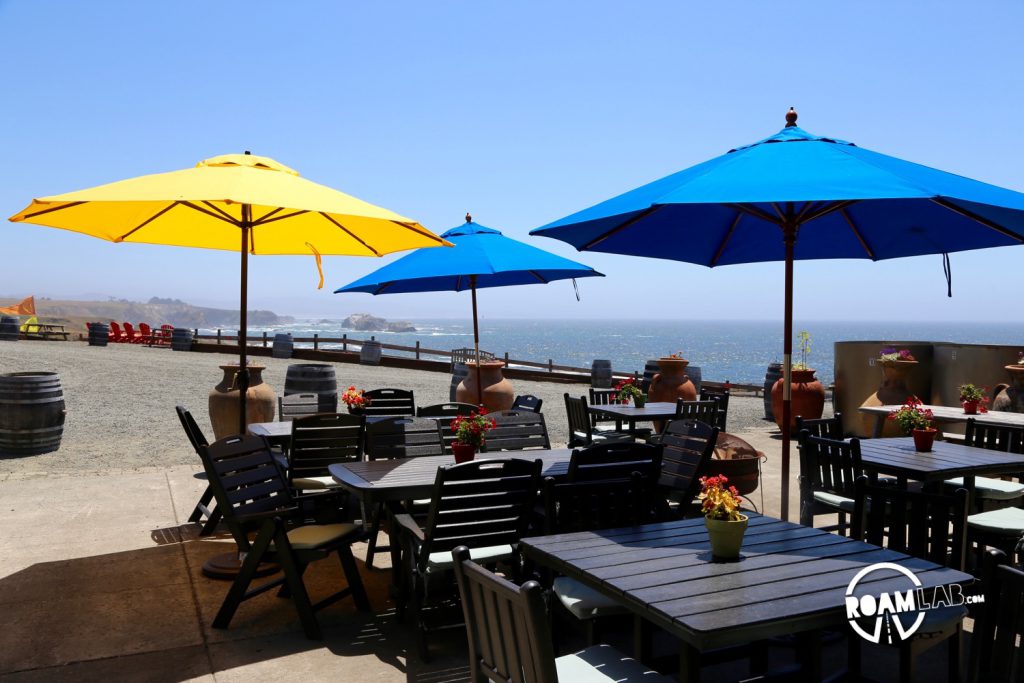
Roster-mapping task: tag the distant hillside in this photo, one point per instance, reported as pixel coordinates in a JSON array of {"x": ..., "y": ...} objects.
[{"x": 156, "y": 311}]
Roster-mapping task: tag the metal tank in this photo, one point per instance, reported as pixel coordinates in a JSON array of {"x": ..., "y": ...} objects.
[{"x": 858, "y": 376}]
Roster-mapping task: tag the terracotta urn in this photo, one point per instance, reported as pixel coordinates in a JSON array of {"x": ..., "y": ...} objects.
[
  {"x": 808, "y": 398},
  {"x": 463, "y": 452},
  {"x": 260, "y": 401},
  {"x": 1010, "y": 397},
  {"x": 924, "y": 439},
  {"x": 892, "y": 391},
  {"x": 726, "y": 536},
  {"x": 497, "y": 391},
  {"x": 670, "y": 383}
]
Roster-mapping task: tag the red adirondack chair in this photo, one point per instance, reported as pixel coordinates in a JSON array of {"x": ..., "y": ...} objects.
[
  {"x": 115, "y": 333},
  {"x": 145, "y": 334},
  {"x": 162, "y": 337},
  {"x": 130, "y": 335}
]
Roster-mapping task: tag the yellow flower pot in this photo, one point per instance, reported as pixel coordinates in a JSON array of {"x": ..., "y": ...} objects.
[{"x": 726, "y": 536}]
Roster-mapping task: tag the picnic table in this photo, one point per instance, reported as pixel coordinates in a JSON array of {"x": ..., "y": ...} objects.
[
  {"x": 45, "y": 331},
  {"x": 944, "y": 414},
  {"x": 789, "y": 579}
]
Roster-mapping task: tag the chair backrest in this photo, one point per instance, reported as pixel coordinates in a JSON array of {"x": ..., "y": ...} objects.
[
  {"x": 517, "y": 432},
  {"x": 389, "y": 402},
  {"x": 688, "y": 446},
  {"x": 447, "y": 412},
  {"x": 192, "y": 431},
  {"x": 721, "y": 395},
  {"x": 297, "y": 405},
  {"x": 580, "y": 432},
  {"x": 145, "y": 330},
  {"x": 831, "y": 465},
  {"x": 404, "y": 437},
  {"x": 507, "y": 625},
  {"x": 998, "y": 637},
  {"x": 994, "y": 437},
  {"x": 246, "y": 480},
  {"x": 828, "y": 427},
  {"x": 480, "y": 503},
  {"x": 702, "y": 411},
  {"x": 603, "y": 397},
  {"x": 615, "y": 460},
  {"x": 324, "y": 439},
  {"x": 129, "y": 331},
  {"x": 527, "y": 403},
  {"x": 571, "y": 506},
  {"x": 115, "y": 331},
  {"x": 930, "y": 526}
]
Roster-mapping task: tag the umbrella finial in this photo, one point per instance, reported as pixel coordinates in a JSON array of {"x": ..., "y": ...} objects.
[
  {"x": 469, "y": 219},
  {"x": 248, "y": 152},
  {"x": 791, "y": 118}
]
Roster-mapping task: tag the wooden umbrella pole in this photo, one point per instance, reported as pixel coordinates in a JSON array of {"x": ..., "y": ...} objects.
[
  {"x": 243, "y": 360},
  {"x": 476, "y": 344},
  {"x": 787, "y": 368}
]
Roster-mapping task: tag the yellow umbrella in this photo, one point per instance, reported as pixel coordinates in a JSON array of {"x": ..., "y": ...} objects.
[{"x": 236, "y": 202}]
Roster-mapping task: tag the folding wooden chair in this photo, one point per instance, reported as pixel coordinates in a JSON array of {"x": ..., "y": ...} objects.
[
  {"x": 204, "y": 512},
  {"x": 388, "y": 402},
  {"x": 517, "y": 432}
]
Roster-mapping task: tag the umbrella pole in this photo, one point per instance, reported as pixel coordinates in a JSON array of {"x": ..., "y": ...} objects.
[
  {"x": 243, "y": 325},
  {"x": 476, "y": 344},
  {"x": 787, "y": 369}
]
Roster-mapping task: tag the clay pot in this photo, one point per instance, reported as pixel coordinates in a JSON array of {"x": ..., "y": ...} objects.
[
  {"x": 726, "y": 536},
  {"x": 970, "y": 407},
  {"x": 260, "y": 401},
  {"x": 923, "y": 439},
  {"x": 498, "y": 393},
  {"x": 463, "y": 452},
  {"x": 1010, "y": 397},
  {"x": 892, "y": 391},
  {"x": 670, "y": 383},
  {"x": 808, "y": 398},
  {"x": 639, "y": 401}
]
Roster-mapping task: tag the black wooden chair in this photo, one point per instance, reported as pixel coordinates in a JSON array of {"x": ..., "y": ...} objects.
[
  {"x": 701, "y": 411},
  {"x": 989, "y": 492},
  {"x": 721, "y": 395},
  {"x": 205, "y": 512},
  {"x": 687, "y": 448},
  {"x": 297, "y": 405},
  {"x": 998, "y": 636},
  {"x": 606, "y": 397},
  {"x": 445, "y": 413},
  {"x": 828, "y": 474},
  {"x": 517, "y": 432},
  {"x": 388, "y": 402},
  {"x": 485, "y": 505},
  {"x": 828, "y": 427},
  {"x": 615, "y": 461},
  {"x": 398, "y": 437},
  {"x": 253, "y": 494},
  {"x": 321, "y": 440},
  {"x": 510, "y": 638},
  {"x": 581, "y": 430},
  {"x": 930, "y": 526},
  {"x": 527, "y": 403}
]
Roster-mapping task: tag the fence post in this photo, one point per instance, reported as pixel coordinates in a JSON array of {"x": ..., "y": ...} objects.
[
  {"x": 417, "y": 349},
  {"x": 264, "y": 339},
  {"x": 551, "y": 365},
  {"x": 316, "y": 341},
  {"x": 506, "y": 359},
  {"x": 218, "y": 338},
  {"x": 344, "y": 342}
]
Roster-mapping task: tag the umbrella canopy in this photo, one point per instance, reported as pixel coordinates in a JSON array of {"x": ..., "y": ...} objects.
[
  {"x": 482, "y": 257},
  {"x": 798, "y": 196},
  {"x": 237, "y": 202}
]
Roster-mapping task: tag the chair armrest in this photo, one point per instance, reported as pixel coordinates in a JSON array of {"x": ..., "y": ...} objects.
[
  {"x": 283, "y": 513},
  {"x": 406, "y": 522}
]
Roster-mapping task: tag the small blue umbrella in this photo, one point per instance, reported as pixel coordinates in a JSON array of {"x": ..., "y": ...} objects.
[
  {"x": 798, "y": 196},
  {"x": 482, "y": 257}
]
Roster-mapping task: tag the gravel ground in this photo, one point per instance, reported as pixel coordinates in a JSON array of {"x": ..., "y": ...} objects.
[{"x": 120, "y": 401}]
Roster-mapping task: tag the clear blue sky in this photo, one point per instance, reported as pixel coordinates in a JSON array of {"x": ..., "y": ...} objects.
[{"x": 518, "y": 112}]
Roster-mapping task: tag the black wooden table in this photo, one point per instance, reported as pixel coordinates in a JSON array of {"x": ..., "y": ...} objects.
[
  {"x": 945, "y": 415},
  {"x": 632, "y": 414},
  {"x": 281, "y": 432},
  {"x": 789, "y": 579},
  {"x": 946, "y": 460}
]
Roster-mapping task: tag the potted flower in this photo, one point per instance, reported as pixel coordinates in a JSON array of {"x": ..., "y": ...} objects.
[
  {"x": 626, "y": 390},
  {"x": 807, "y": 393},
  {"x": 891, "y": 354},
  {"x": 972, "y": 398},
  {"x": 916, "y": 421},
  {"x": 355, "y": 400},
  {"x": 726, "y": 525},
  {"x": 470, "y": 434},
  {"x": 671, "y": 381}
]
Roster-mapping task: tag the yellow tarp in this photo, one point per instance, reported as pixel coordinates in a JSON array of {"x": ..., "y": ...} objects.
[
  {"x": 26, "y": 307},
  {"x": 32, "y": 322}
]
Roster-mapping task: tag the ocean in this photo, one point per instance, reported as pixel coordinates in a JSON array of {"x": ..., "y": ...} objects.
[{"x": 737, "y": 351}]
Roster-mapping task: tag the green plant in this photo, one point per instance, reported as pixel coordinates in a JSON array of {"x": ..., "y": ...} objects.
[
  {"x": 911, "y": 415},
  {"x": 804, "y": 340},
  {"x": 969, "y": 392},
  {"x": 890, "y": 354},
  {"x": 472, "y": 430},
  {"x": 626, "y": 390}
]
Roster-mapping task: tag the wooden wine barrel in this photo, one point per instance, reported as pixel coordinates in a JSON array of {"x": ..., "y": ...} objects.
[
  {"x": 283, "y": 346},
  {"x": 459, "y": 373},
  {"x": 31, "y": 413},
  {"x": 181, "y": 339},
  {"x": 693, "y": 372},
  {"x": 313, "y": 378},
  {"x": 9, "y": 328},
  {"x": 99, "y": 334},
  {"x": 770, "y": 378},
  {"x": 369, "y": 354},
  {"x": 601, "y": 374},
  {"x": 651, "y": 368}
]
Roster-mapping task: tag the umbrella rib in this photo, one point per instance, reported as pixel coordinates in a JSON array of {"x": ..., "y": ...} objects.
[
  {"x": 619, "y": 228},
  {"x": 830, "y": 208},
  {"x": 219, "y": 210},
  {"x": 538, "y": 276},
  {"x": 756, "y": 213},
  {"x": 146, "y": 222},
  {"x": 267, "y": 215},
  {"x": 420, "y": 231},
  {"x": 52, "y": 209},
  {"x": 860, "y": 238},
  {"x": 266, "y": 219},
  {"x": 978, "y": 219},
  {"x": 350, "y": 233},
  {"x": 725, "y": 240},
  {"x": 219, "y": 215}
]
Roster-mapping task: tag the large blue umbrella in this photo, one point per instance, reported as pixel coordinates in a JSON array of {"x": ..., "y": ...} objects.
[
  {"x": 798, "y": 196},
  {"x": 482, "y": 257}
]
